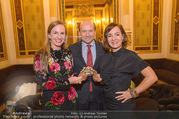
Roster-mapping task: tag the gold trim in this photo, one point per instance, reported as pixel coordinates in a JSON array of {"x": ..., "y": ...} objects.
[
  {"x": 62, "y": 10},
  {"x": 15, "y": 27},
  {"x": 173, "y": 29},
  {"x": 117, "y": 11},
  {"x": 19, "y": 21},
  {"x": 3, "y": 37},
  {"x": 25, "y": 37},
  {"x": 160, "y": 26},
  {"x": 157, "y": 22},
  {"x": 24, "y": 27},
  {"x": 151, "y": 29},
  {"x": 134, "y": 20},
  {"x": 176, "y": 19}
]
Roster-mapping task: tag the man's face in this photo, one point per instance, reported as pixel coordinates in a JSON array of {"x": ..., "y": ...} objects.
[{"x": 87, "y": 31}]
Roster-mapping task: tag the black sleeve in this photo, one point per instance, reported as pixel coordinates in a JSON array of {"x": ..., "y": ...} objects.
[{"x": 139, "y": 65}]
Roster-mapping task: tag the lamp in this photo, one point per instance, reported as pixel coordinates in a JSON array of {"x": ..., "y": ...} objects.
[
  {"x": 111, "y": 19},
  {"x": 103, "y": 19},
  {"x": 104, "y": 22},
  {"x": 98, "y": 21},
  {"x": 69, "y": 22}
]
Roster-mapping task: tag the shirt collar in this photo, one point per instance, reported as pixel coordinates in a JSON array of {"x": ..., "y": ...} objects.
[
  {"x": 85, "y": 45},
  {"x": 118, "y": 53}
]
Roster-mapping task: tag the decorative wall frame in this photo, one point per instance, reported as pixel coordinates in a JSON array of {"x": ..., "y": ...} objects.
[
  {"x": 3, "y": 51},
  {"x": 174, "y": 46},
  {"x": 69, "y": 26},
  {"x": 147, "y": 26},
  {"x": 94, "y": 12},
  {"x": 61, "y": 10},
  {"x": 29, "y": 28},
  {"x": 116, "y": 11}
]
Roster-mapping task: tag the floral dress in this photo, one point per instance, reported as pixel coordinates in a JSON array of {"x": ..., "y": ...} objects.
[{"x": 57, "y": 94}]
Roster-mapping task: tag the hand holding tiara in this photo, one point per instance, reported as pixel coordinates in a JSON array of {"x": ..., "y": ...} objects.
[{"x": 87, "y": 71}]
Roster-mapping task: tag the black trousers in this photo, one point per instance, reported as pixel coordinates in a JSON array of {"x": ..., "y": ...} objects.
[{"x": 91, "y": 104}]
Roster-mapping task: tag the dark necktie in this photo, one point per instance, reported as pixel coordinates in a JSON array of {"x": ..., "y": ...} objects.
[{"x": 90, "y": 63}]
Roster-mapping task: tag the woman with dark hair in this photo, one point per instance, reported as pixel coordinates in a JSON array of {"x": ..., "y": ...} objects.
[
  {"x": 53, "y": 66},
  {"x": 118, "y": 67}
]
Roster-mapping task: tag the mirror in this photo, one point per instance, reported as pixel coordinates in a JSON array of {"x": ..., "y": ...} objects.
[{"x": 101, "y": 12}]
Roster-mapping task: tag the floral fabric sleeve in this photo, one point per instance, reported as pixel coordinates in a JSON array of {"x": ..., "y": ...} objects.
[
  {"x": 40, "y": 75},
  {"x": 57, "y": 79}
]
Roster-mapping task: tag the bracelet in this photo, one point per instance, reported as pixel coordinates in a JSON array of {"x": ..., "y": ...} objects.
[{"x": 133, "y": 93}]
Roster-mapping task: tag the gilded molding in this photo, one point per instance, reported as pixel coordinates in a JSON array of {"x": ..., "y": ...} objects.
[
  {"x": 28, "y": 21},
  {"x": 143, "y": 42},
  {"x": 84, "y": 10},
  {"x": 3, "y": 50},
  {"x": 174, "y": 41}
]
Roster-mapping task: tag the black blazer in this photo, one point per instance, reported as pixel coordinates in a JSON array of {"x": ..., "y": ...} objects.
[{"x": 79, "y": 63}]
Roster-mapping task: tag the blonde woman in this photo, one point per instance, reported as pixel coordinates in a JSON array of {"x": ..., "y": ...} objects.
[{"x": 53, "y": 66}]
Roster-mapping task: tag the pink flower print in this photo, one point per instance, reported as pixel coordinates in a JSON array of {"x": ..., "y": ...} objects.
[
  {"x": 37, "y": 57},
  {"x": 37, "y": 66},
  {"x": 54, "y": 67},
  {"x": 50, "y": 85},
  {"x": 52, "y": 79},
  {"x": 67, "y": 65},
  {"x": 71, "y": 93},
  {"x": 58, "y": 98},
  {"x": 57, "y": 67}
]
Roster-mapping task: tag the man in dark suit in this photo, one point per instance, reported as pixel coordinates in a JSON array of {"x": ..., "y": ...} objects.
[{"x": 90, "y": 92}]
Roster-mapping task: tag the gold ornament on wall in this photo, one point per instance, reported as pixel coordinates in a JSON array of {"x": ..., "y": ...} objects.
[
  {"x": 84, "y": 10},
  {"x": 3, "y": 51},
  {"x": 29, "y": 29}
]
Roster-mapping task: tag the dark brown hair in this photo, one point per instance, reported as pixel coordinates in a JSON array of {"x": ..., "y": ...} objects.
[{"x": 108, "y": 29}]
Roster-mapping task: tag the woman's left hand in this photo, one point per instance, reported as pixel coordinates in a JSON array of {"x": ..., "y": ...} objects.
[{"x": 124, "y": 95}]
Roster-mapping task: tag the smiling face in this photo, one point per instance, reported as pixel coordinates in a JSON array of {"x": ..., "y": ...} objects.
[
  {"x": 57, "y": 36},
  {"x": 115, "y": 38},
  {"x": 87, "y": 31}
]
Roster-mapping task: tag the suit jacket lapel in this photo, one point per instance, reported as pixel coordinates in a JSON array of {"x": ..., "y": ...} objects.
[
  {"x": 80, "y": 53},
  {"x": 97, "y": 55}
]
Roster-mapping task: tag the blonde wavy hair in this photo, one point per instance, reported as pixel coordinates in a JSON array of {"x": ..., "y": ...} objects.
[{"x": 46, "y": 47}]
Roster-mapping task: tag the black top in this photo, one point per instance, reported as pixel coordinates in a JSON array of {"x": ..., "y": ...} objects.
[
  {"x": 57, "y": 94},
  {"x": 117, "y": 70}
]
